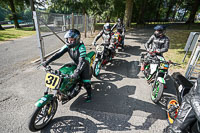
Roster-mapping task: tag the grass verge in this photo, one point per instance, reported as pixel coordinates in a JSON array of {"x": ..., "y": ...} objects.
[
  {"x": 13, "y": 33},
  {"x": 178, "y": 37}
]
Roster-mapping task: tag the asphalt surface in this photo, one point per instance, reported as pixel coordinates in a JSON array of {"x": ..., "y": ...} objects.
[{"x": 121, "y": 96}]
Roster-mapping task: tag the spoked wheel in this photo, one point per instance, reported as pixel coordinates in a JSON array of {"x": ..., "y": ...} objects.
[
  {"x": 97, "y": 68},
  {"x": 43, "y": 115},
  {"x": 157, "y": 91},
  {"x": 172, "y": 107}
]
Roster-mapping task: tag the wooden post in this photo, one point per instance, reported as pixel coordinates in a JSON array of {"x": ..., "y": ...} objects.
[
  {"x": 85, "y": 25},
  {"x": 72, "y": 20}
]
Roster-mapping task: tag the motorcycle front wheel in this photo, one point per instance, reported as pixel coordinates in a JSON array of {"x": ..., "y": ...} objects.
[
  {"x": 97, "y": 68},
  {"x": 42, "y": 116},
  {"x": 157, "y": 91},
  {"x": 172, "y": 107}
]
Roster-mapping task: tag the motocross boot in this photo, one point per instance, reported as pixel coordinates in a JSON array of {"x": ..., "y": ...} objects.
[{"x": 89, "y": 94}]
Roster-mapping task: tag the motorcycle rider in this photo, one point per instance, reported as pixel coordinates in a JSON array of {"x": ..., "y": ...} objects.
[
  {"x": 121, "y": 29},
  {"x": 77, "y": 52},
  {"x": 106, "y": 35},
  {"x": 189, "y": 110},
  {"x": 157, "y": 44}
]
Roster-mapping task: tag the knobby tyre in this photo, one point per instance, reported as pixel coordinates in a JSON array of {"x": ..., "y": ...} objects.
[{"x": 157, "y": 91}]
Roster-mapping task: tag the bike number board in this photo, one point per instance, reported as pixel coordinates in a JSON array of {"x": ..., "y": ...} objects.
[
  {"x": 100, "y": 48},
  {"x": 51, "y": 80}
]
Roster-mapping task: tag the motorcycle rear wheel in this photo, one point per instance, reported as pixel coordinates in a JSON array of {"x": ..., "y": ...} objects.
[
  {"x": 157, "y": 91},
  {"x": 172, "y": 110},
  {"x": 43, "y": 114}
]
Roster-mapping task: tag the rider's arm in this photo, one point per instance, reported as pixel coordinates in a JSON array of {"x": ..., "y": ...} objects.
[
  {"x": 63, "y": 50},
  {"x": 114, "y": 26},
  {"x": 149, "y": 42},
  {"x": 97, "y": 37},
  {"x": 166, "y": 46},
  {"x": 81, "y": 62}
]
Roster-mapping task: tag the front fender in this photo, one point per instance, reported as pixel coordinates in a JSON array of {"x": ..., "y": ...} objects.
[
  {"x": 42, "y": 101},
  {"x": 161, "y": 80}
]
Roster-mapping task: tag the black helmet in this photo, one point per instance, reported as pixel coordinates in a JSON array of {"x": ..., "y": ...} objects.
[
  {"x": 159, "y": 30},
  {"x": 73, "y": 33},
  {"x": 107, "y": 28}
]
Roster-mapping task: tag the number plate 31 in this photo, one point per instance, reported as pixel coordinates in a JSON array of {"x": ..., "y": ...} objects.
[{"x": 51, "y": 80}]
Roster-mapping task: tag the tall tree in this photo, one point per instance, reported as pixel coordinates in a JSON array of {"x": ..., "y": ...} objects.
[
  {"x": 13, "y": 5},
  {"x": 193, "y": 11},
  {"x": 140, "y": 19},
  {"x": 158, "y": 10},
  {"x": 128, "y": 13},
  {"x": 14, "y": 14},
  {"x": 170, "y": 4}
]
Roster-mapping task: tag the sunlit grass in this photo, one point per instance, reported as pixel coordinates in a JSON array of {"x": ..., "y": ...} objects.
[
  {"x": 13, "y": 33},
  {"x": 178, "y": 37}
]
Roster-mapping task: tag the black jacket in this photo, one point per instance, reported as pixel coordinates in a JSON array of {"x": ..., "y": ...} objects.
[{"x": 158, "y": 43}]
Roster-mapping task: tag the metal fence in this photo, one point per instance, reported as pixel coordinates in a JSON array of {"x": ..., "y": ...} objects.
[
  {"x": 193, "y": 69},
  {"x": 48, "y": 24}
]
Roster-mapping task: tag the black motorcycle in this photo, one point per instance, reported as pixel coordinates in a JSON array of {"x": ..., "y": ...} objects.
[{"x": 183, "y": 87}]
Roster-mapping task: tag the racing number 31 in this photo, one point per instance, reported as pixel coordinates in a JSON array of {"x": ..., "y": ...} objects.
[{"x": 51, "y": 80}]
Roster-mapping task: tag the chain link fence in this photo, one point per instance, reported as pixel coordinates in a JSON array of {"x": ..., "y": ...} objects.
[{"x": 49, "y": 25}]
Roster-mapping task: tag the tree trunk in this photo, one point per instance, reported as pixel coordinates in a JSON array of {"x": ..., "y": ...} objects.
[
  {"x": 193, "y": 11},
  {"x": 128, "y": 13},
  {"x": 169, "y": 10},
  {"x": 32, "y": 9},
  {"x": 1, "y": 28},
  {"x": 158, "y": 11},
  {"x": 142, "y": 12},
  {"x": 12, "y": 6}
]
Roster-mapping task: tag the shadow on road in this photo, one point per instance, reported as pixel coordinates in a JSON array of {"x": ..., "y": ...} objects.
[
  {"x": 124, "y": 68},
  {"x": 113, "y": 107},
  {"x": 133, "y": 50},
  {"x": 70, "y": 124},
  {"x": 111, "y": 77}
]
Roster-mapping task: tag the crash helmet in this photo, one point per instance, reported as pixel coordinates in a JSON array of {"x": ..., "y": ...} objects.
[
  {"x": 159, "y": 30},
  {"x": 119, "y": 21},
  {"x": 72, "y": 37},
  {"x": 107, "y": 28}
]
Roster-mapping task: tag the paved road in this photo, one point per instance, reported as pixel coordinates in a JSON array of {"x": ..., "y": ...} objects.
[{"x": 121, "y": 97}]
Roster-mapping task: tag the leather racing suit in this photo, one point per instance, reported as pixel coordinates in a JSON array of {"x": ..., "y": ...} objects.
[
  {"x": 189, "y": 111},
  {"x": 78, "y": 55},
  {"x": 121, "y": 29}
]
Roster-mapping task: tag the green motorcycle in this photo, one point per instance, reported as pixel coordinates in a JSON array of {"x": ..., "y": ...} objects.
[{"x": 59, "y": 87}]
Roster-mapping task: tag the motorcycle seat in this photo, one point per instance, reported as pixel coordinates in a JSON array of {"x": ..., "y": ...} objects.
[{"x": 181, "y": 80}]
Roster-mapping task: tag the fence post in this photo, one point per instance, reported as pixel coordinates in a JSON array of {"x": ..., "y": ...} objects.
[
  {"x": 85, "y": 25},
  {"x": 39, "y": 38},
  {"x": 64, "y": 23},
  {"x": 72, "y": 20}
]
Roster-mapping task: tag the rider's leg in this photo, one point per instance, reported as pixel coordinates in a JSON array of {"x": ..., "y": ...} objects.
[
  {"x": 86, "y": 79},
  {"x": 87, "y": 86},
  {"x": 123, "y": 41}
]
